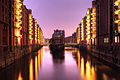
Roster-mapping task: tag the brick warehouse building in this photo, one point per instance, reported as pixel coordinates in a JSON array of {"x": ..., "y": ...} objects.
[
  {"x": 11, "y": 23},
  {"x": 68, "y": 39},
  {"x": 74, "y": 38},
  {"x": 104, "y": 24},
  {"x": 103, "y": 29},
  {"x": 116, "y": 26},
  {"x": 25, "y": 25},
  {"x": 4, "y": 23},
  {"x": 17, "y": 28},
  {"x": 33, "y": 31}
]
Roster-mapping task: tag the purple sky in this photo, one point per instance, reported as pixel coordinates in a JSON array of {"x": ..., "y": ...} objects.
[{"x": 58, "y": 14}]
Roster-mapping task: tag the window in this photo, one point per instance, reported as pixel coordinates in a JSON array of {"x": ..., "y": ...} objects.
[
  {"x": 106, "y": 40},
  {"x": 117, "y": 39}
]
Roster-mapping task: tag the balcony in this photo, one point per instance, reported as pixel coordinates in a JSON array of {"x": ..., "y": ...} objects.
[
  {"x": 117, "y": 11},
  {"x": 117, "y": 20},
  {"x": 93, "y": 14},
  {"x": 93, "y": 23},
  {"x": 116, "y": 3}
]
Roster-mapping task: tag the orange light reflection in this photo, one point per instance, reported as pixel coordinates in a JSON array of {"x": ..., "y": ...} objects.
[
  {"x": 20, "y": 77},
  {"x": 36, "y": 68},
  {"x": 87, "y": 72},
  {"x": 82, "y": 67},
  {"x": 31, "y": 70}
]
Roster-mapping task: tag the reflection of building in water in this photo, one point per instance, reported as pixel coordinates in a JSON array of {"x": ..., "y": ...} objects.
[
  {"x": 58, "y": 57},
  {"x": 86, "y": 69},
  {"x": 31, "y": 70},
  {"x": 36, "y": 67},
  {"x": 20, "y": 77},
  {"x": 35, "y": 64},
  {"x": 71, "y": 49},
  {"x": 58, "y": 36}
]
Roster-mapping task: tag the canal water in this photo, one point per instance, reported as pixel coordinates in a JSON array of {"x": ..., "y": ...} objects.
[{"x": 71, "y": 64}]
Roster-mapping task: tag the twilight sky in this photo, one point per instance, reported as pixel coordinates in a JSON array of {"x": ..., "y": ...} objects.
[{"x": 58, "y": 14}]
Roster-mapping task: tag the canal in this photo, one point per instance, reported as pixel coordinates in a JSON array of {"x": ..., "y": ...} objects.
[{"x": 71, "y": 64}]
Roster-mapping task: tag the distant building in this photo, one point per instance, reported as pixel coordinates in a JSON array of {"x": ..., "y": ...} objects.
[
  {"x": 58, "y": 36},
  {"x": 78, "y": 34},
  {"x": 74, "y": 38},
  {"x": 68, "y": 39},
  {"x": 47, "y": 41},
  {"x": 71, "y": 39}
]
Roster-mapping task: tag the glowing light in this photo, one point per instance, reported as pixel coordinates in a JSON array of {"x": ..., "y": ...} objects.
[
  {"x": 39, "y": 60},
  {"x": 17, "y": 19},
  {"x": 88, "y": 25},
  {"x": 30, "y": 28},
  {"x": 19, "y": 40},
  {"x": 78, "y": 34},
  {"x": 82, "y": 67},
  {"x": 93, "y": 31},
  {"x": 31, "y": 70},
  {"x": 105, "y": 77},
  {"x": 93, "y": 73},
  {"x": 116, "y": 3},
  {"x": 36, "y": 27},
  {"x": 78, "y": 59},
  {"x": 42, "y": 49},
  {"x": 36, "y": 67},
  {"x": 20, "y": 77},
  {"x": 117, "y": 11},
  {"x": 88, "y": 70},
  {"x": 82, "y": 29}
]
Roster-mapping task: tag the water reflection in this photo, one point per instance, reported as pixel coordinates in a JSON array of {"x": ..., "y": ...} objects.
[
  {"x": 36, "y": 68},
  {"x": 82, "y": 67},
  {"x": 20, "y": 77},
  {"x": 92, "y": 69},
  {"x": 71, "y": 64},
  {"x": 87, "y": 72},
  {"x": 58, "y": 57},
  {"x": 31, "y": 70}
]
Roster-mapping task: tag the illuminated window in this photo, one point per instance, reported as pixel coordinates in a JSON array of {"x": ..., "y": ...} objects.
[
  {"x": 106, "y": 40},
  {"x": 117, "y": 39}
]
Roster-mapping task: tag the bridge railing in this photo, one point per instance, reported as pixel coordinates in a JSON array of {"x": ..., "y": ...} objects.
[{"x": 71, "y": 44}]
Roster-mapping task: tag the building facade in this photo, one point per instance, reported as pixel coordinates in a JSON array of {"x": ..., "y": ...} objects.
[
  {"x": 58, "y": 36},
  {"x": 68, "y": 39},
  {"x": 17, "y": 27},
  {"x": 4, "y": 22},
  {"x": 4, "y": 25},
  {"x": 74, "y": 38},
  {"x": 25, "y": 25}
]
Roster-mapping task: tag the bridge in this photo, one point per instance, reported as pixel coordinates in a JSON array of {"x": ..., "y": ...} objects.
[
  {"x": 66, "y": 44},
  {"x": 71, "y": 44},
  {"x": 45, "y": 44}
]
